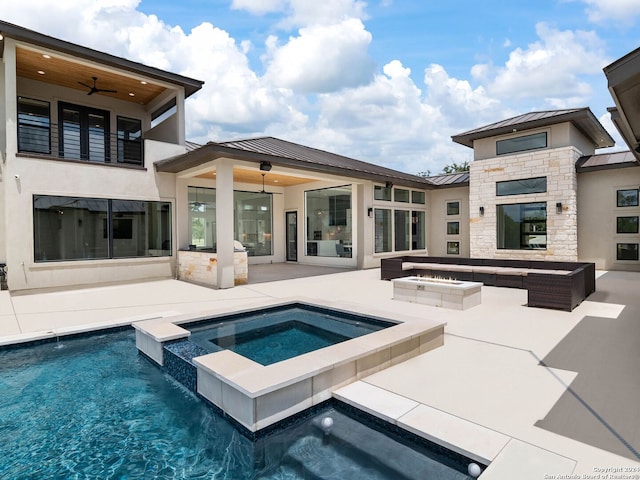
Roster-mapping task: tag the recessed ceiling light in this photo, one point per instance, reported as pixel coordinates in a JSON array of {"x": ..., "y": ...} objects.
[
  {"x": 276, "y": 181},
  {"x": 143, "y": 82},
  {"x": 41, "y": 72},
  {"x": 131, "y": 94},
  {"x": 46, "y": 56}
]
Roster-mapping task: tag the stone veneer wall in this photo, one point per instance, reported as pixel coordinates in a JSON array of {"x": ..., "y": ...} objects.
[
  {"x": 558, "y": 165},
  {"x": 202, "y": 267}
]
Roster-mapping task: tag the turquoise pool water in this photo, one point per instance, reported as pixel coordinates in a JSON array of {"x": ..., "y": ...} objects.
[
  {"x": 93, "y": 408},
  {"x": 279, "y": 333}
]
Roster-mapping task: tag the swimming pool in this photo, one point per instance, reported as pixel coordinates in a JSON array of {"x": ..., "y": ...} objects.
[
  {"x": 275, "y": 334},
  {"x": 95, "y": 409},
  {"x": 259, "y": 395}
]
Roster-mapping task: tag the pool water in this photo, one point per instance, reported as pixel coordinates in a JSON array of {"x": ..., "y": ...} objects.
[
  {"x": 92, "y": 407},
  {"x": 279, "y": 333},
  {"x": 279, "y": 342}
]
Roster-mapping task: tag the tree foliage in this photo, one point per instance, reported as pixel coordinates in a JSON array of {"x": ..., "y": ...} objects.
[{"x": 456, "y": 167}]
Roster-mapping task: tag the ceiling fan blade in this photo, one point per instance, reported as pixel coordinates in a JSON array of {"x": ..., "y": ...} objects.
[
  {"x": 105, "y": 90},
  {"x": 85, "y": 85}
]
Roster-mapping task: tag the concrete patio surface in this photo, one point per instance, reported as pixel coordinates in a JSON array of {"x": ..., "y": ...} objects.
[{"x": 553, "y": 393}]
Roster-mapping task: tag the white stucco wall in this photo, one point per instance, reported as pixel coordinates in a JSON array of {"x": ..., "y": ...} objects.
[
  {"x": 597, "y": 213},
  {"x": 438, "y": 218},
  {"x": 24, "y": 176}
]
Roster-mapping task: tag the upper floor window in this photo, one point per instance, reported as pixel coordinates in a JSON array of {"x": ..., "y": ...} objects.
[
  {"x": 521, "y": 144},
  {"x": 522, "y": 186},
  {"x": 627, "y": 198},
  {"x": 129, "y": 140},
  {"x": 83, "y": 133},
  {"x": 453, "y": 208},
  {"x": 34, "y": 126}
]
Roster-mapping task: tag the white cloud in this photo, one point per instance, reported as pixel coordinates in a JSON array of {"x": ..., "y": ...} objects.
[
  {"x": 259, "y": 7},
  {"x": 551, "y": 68},
  {"x": 623, "y": 12},
  {"x": 322, "y": 58},
  {"x": 300, "y": 13}
]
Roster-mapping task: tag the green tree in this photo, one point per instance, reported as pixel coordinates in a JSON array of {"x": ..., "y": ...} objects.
[{"x": 456, "y": 168}]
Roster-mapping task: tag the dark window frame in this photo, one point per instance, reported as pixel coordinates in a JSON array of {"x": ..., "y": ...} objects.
[
  {"x": 84, "y": 133},
  {"x": 453, "y": 248},
  {"x": 129, "y": 142},
  {"x": 536, "y": 186},
  {"x": 524, "y": 228},
  {"x": 457, "y": 228},
  {"x": 620, "y": 225},
  {"x": 622, "y": 252},
  {"x": 522, "y": 143},
  {"x": 621, "y": 196},
  {"x": 103, "y": 228},
  {"x": 35, "y": 126},
  {"x": 453, "y": 211}
]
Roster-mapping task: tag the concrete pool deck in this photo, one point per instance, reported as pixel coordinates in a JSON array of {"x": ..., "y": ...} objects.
[{"x": 543, "y": 392}]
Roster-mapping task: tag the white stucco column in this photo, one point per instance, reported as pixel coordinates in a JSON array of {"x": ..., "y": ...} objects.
[{"x": 224, "y": 222}]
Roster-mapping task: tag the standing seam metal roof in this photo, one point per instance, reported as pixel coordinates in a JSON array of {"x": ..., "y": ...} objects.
[{"x": 582, "y": 118}]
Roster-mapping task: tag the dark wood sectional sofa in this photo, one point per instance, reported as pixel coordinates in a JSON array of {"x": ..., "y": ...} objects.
[{"x": 559, "y": 285}]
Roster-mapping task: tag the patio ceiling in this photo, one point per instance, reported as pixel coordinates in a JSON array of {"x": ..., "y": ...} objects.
[
  {"x": 251, "y": 176},
  {"x": 45, "y": 66}
]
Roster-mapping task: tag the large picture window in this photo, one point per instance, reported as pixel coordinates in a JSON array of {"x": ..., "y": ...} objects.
[
  {"x": 77, "y": 228},
  {"x": 522, "y": 226},
  {"x": 329, "y": 222},
  {"x": 521, "y": 144}
]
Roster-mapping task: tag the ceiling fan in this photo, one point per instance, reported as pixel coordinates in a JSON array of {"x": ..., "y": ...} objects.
[
  {"x": 93, "y": 89},
  {"x": 197, "y": 205},
  {"x": 264, "y": 191}
]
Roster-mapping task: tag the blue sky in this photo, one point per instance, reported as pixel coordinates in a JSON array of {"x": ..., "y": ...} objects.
[{"x": 385, "y": 81}]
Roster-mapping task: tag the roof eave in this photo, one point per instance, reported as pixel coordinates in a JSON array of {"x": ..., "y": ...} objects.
[
  {"x": 21, "y": 34},
  {"x": 582, "y": 119},
  {"x": 621, "y": 76},
  {"x": 213, "y": 151}
]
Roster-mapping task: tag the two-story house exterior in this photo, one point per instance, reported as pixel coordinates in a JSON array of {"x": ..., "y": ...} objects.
[
  {"x": 98, "y": 184},
  {"x": 80, "y": 130}
]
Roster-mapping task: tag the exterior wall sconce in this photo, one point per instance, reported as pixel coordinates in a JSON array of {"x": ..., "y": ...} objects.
[
  {"x": 482, "y": 211},
  {"x": 370, "y": 212},
  {"x": 559, "y": 207},
  {"x": 265, "y": 166},
  {"x": 389, "y": 184}
]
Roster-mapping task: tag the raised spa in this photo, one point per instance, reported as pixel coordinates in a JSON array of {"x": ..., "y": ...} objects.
[
  {"x": 280, "y": 333},
  {"x": 263, "y": 365}
]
